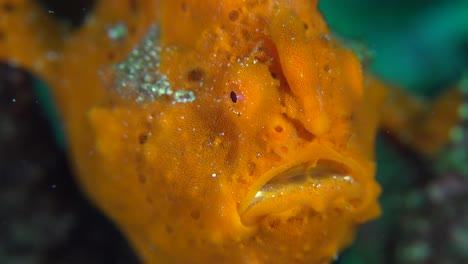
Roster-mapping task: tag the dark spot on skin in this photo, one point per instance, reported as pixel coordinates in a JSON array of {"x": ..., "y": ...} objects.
[
  {"x": 274, "y": 224},
  {"x": 141, "y": 178},
  {"x": 251, "y": 167},
  {"x": 273, "y": 75},
  {"x": 306, "y": 26},
  {"x": 279, "y": 129},
  {"x": 195, "y": 75},
  {"x": 184, "y": 7},
  {"x": 142, "y": 138},
  {"x": 233, "y": 15},
  {"x": 282, "y": 103},
  {"x": 111, "y": 56},
  {"x": 133, "y": 5},
  {"x": 8, "y": 7},
  {"x": 233, "y": 96},
  {"x": 195, "y": 214},
  {"x": 149, "y": 200},
  {"x": 169, "y": 229}
]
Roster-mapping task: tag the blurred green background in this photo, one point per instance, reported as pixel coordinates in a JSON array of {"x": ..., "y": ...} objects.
[{"x": 421, "y": 45}]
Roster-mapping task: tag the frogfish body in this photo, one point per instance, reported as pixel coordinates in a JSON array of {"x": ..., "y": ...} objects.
[{"x": 216, "y": 131}]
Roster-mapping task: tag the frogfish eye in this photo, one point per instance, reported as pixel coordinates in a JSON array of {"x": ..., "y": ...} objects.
[
  {"x": 247, "y": 88},
  {"x": 237, "y": 97},
  {"x": 233, "y": 96}
]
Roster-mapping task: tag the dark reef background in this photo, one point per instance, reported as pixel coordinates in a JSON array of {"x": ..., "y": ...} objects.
[
  {"x": 44, "y": 218},
  {"x": 420, "y": 45}
]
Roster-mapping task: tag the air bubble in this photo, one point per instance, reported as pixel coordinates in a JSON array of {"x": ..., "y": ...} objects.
[{"x": 117, "y": 32}]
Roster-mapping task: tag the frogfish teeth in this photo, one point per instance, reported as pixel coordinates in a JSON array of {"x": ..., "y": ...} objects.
[{"x": 215, "y": 131}]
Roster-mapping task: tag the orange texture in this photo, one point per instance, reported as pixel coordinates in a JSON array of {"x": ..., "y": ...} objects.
[{"x": 211, "y": 131}]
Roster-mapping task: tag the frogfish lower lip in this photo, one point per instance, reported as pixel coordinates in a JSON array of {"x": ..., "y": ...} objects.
[{"x": 315, "y": 185}]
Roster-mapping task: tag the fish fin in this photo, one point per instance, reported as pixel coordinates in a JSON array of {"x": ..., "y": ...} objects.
[{"x": 421, "y": 124}]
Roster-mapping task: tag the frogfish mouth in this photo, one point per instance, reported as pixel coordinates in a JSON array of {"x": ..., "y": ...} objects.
[{"x": 316, "y": 183}]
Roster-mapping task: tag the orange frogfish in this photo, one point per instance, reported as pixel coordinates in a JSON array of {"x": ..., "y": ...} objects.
[{"x": 236, "y": 131}]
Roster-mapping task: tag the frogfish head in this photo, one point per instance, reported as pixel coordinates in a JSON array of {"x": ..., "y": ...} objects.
[{"x": 253, "y": 140}]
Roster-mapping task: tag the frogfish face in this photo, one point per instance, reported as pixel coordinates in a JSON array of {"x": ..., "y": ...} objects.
[{"x": 236, "y": 133}]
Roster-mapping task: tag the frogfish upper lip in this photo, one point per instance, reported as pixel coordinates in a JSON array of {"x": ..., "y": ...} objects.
[{"x": 316, "y": 184}]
